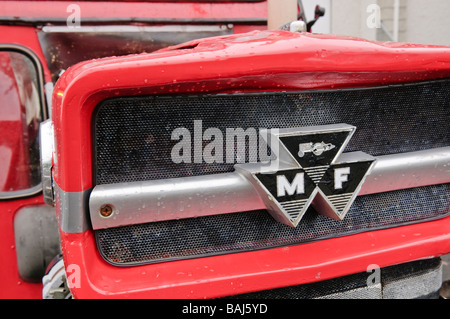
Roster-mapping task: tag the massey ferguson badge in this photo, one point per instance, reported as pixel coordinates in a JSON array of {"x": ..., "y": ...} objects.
[{"x": 311, "y": 171}]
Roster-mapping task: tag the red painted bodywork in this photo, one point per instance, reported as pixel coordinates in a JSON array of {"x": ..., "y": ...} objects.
[
  {"x": 248, "y": 63},
  {"x": 169, "y": 11},
  {"x": 26, "y": 37},
  {"x": 17, "y": 13},
  {"x": 251, "y": 271},
  {"x": 258, "y": 61},
  {"x": 13, "y": 146},
  {"x": 11, "y": 285}
]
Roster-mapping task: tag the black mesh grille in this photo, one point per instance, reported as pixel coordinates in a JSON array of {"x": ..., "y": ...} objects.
[
  {"x": 212, "y": 235},
  {"x": 133, "y": 135},
  {"x": 132, "y": 139},
  {"x": 343, "y": 284}
]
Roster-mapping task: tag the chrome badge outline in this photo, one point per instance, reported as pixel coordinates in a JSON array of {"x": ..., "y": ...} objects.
[{"x": 310, "y": 169}]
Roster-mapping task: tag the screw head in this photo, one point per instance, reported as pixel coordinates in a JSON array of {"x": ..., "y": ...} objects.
[{"x": 106, "y": 210}]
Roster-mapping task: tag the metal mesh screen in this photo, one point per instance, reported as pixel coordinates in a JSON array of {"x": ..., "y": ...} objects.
[
  {"x": 342, "y": 285},
  {"x": 133, "y": 135},
  {"x": 212, "y": 235},
  {"x": 132, "y": 140}
]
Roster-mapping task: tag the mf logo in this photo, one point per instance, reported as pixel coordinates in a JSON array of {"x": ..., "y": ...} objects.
[{"x": 312, "y": 170}]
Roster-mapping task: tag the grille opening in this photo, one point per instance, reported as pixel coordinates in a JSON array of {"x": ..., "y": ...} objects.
[
  {"x": 132, "y": 135},
  {"x": 422, "y": 277},
  {"x": 255, "y": 230},
  {"x": 132, "y": 142}
]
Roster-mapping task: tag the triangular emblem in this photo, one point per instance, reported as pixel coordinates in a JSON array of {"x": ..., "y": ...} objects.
[{"x": 310, "y": 169}]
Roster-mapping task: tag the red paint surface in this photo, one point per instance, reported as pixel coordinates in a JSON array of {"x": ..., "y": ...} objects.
[
  {"x": 251, "y": 271},
  {"x": 149, "y": 10},
  {"x": 247, "y": 63},
  {"x": 26, "y": 37},
  {"x": 11, "y": 285},
  {"x": 267, "y": 61},
  {"x": 257, "y": 61},
  {"x": 14, "y": 154}
]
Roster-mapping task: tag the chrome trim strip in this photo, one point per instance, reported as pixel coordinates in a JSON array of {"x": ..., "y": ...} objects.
[
  {"x": 21, "y": 193},
  {"x": 408, "y": 170},
  {"x": 46, "y": 142},
  {"x": 141, "y": 202},
  {"x": 152, "y": 201},
  {"x": 71, "y": 210},
  {"x": 135, "y": 29},
  {"x": 118, "y": 20},
  {"x": 48, "y": 87}
]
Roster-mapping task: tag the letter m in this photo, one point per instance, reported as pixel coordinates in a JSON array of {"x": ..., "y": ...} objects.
[{"x": 296, "y": 187}]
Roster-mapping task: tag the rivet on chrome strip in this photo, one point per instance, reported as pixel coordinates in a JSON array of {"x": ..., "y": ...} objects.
[{"x": 106, "y": 210}]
